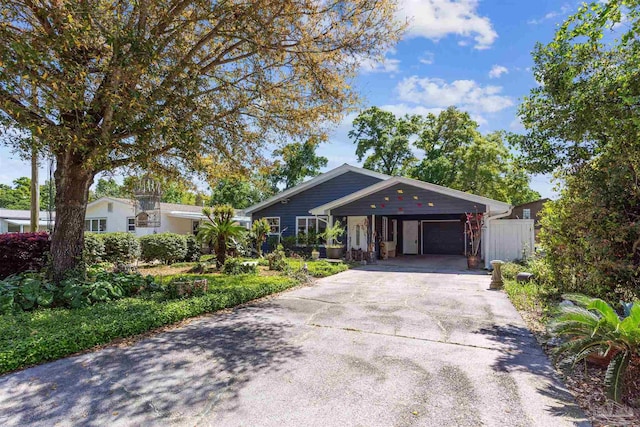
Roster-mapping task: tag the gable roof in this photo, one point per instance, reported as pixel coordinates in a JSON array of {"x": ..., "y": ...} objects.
[
  {"x": 173, "y": 209},
  {"x": 312, "y": 183},
  {"x": 494, "y": 206}
]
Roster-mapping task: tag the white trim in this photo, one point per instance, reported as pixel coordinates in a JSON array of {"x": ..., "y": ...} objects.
[
  {"x": 492, "y": 205},
  {"x": 91, "y": 219},
  {"x": 279, "y": 225},
  {"x": 109, "y": 199},
  {"x": 318, "y": 218},
  {"x": 134, "y": 224},
  {"x": 312, "y": 183}
]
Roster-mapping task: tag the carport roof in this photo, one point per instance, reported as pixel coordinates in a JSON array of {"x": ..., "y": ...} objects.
[{"x": 494, "y": 206}]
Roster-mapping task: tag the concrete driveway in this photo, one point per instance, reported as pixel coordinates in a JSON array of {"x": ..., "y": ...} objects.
[{"x": 368, "y": 347}]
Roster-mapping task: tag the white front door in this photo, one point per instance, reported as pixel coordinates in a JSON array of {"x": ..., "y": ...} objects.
[
  {"x": 410, "y": 237},
  {"x": 357, "y": 226}
]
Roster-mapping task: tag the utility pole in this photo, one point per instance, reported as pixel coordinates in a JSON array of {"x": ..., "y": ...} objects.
[{"x": 35, "y": 190}]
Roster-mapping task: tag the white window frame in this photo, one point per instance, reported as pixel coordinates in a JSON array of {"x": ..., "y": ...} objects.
[
  {"x": 91, "y": 230},
  {"x": 318, "y": 218},
  {"x": 526, "y": 213},
  {"x": 273, "y": 233},
  {"x": 129, "y": 224}
]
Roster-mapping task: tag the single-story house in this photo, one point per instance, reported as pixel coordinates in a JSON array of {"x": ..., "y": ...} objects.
[
  {"x": 409, "y": 217},
  {"x": 110, "y": 214}
]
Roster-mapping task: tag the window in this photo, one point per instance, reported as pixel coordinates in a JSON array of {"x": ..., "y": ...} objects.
[
  {"x": 195, "y": 226},
  {"x": 109, "y": 207},
  {"x": 308, "y": 228},
  {"x": 526, "y": 213},
  {"x": 131, "y": 224},
  {"x": 13, "y": 228},
  {"x": 98, "y": 225},
  {"x": 274, "y": 224}
]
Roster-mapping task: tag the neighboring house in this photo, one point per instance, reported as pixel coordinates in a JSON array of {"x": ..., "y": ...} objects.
[
  {"x": 19, "y": 221},
  {"x": 529, "y": 210},
  {"x": 413, "y": 217},
  {"x": 110, "y": 214}
]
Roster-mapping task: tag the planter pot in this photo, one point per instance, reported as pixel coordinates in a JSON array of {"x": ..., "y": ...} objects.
[
  {"x": 473, "y": 262},
  {"x": 335, "y": 252},
  {"x": 599, "y": 359},
  {"x": 315, "y": 255}
]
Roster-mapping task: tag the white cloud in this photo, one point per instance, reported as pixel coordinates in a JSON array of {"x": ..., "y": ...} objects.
[
  {"x": 497, "y": 71},
  {"x": 466, "y": 94},
  {"x": 386, "y": 65},
  {"x": 436, "y": 19},
  {"x": 427, "y": 58},
  {"x": 550, "y": 15}
]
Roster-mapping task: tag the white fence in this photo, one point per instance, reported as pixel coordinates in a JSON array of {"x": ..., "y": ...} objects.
[{"x": 509, "y": 239}]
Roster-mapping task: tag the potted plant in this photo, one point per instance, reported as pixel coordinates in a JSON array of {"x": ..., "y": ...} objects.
[
  {"x": 334, "y": 246},
  {"x": 473, "y": 229},
  {"x": 312, "y": 240}
]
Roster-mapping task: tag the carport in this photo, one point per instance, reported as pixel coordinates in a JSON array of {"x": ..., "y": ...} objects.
[{"x": 411, "y": 217}]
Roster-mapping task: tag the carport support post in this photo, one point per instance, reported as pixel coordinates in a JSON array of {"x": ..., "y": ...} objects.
[{"x": 496, "y": 276}]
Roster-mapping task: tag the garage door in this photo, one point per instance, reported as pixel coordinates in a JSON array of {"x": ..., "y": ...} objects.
[{"x": 446, "y": 238}]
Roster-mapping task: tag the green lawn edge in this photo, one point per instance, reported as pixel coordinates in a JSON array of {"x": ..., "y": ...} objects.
[{"x": 45, "y": 335}]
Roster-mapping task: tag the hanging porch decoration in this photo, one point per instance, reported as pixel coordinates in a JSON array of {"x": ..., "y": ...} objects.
[{"x": 147, "y": 194}]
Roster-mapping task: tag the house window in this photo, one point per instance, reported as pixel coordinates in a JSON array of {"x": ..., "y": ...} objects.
[
  {"x": 274, "y": 224},
  {"x": 195, "y": 226},
  {"x": 13, "y": 228},
  {"x": 98, "y": 225},
  {"x": 131, "y": 224},
  {"x": 310, "y": 225},
  {"x": 109, "y": 207},
  {"x": 526, "y": 213}
]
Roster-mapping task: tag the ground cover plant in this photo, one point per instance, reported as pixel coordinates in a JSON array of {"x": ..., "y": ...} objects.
[{"x": 28, "y": 338}]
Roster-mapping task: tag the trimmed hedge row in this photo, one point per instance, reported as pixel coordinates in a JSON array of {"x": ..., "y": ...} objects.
[
  {"x": 126, "y": 247},
  {"x": 23, "y": 251},
  {"x": 48, "y": 334}
]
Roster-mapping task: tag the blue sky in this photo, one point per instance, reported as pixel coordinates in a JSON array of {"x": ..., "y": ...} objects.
[{"x": 469, "y": 53}]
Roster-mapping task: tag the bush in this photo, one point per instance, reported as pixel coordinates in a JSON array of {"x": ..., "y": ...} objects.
[
  {"x": 93, "y": 248},
  {"x": 22, "y": 252},
  {"x": 277, "y": 259},
  {"x": 165, "y": 247},
  {"x": 49, "y": 334},
  {"x": 194, "y": 249},
  {"x": 120, "y": 247},
  {"x": 25, "y": 292},
  {"x": 510, "y": 270},
  {"x": 235, "y": 266},
  {"x": 323, "y": 268}
]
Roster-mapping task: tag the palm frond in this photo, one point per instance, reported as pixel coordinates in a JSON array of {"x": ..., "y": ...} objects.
[{"x": 614, "y": 378}]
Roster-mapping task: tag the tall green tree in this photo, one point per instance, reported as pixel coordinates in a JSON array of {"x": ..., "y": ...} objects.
[
  {"x": 18, "y": 196},
  {"x": 239, "y": 192},
  {"x": 108, "y": 187},
  {"x": 384, "y": 141},
  {"x": 583, "y": 122},
  {"x": 173, "y": 85},
  {"x": 297, "y": 161}
]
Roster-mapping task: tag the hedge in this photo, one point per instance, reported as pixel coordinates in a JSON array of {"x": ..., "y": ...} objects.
[
  {"x": 93, "y": 248},
  {"x": 165, "y": 247},
  {"x": 23, "y": 251},
  {"x": 43, "y": 335},
  {"x": 120, "y": 247}
]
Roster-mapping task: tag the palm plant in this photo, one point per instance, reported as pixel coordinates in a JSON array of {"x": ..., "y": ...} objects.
[
  {"x": 260, "y": 228},
  {"x": 220, "y": 231},
  {"x": 592, "y": 326}
]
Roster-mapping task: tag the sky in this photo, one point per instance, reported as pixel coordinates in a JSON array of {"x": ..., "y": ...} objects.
[{"x": 473, "y": 54}]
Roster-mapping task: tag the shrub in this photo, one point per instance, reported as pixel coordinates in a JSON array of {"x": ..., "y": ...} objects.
[
  {"x": 25, "y": 292},
  {"x": 93, "y": 248},
  {"x": 165, "y": 247},
  {"x": 22, "y": 252},
  {"x": 235, "y": 266},
  {"x": 120, "y": 247},
  {"x": 194, "y": 249},
  {"x": 49, "y": 334},
  {"x": 277, "y": 259},
  {"x": 325, "y": 268},
  {"x": 510, "y": 270},
  {"x": 593, "y": 326}
]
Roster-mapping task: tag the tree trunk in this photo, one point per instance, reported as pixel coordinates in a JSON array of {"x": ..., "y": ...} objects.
[{"x": 72, "y": 194}]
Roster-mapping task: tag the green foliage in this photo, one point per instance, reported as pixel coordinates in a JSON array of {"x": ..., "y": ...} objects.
[
  {"x": 220, "y": 231},
  {"x": 323, "y": 268},
  {"x": 120, "y": 247},
  {"x": 165, "y": 247},
  {"x": 593, "y": 327},
  {"x": 277, "y": 259},
  {"x": 94, "y": 250},
  {"x": 235, "y": 266},
  {"x": 18, "y": 196},
  {"x": 240, "y": 192},
  {"x": 48, "y": 334},
  {"x": 25, "y": 292},
  {"x": 260, "y": 229},
  {"x": 298, "y": 161},
  {"x": 185, "y": 287},
  {"x": 384, "y": 140},
  {"x": 510, "y": 270},
  {"x": 194, "y": 249},
  {"x": 333, "y": 234}
]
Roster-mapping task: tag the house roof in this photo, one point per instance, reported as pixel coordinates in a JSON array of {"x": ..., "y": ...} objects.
[
  {"x": 495, "y": 206},
  {"x": 312, "y": 183},
  {"x": 22, "y": 214},
  {"x": 177, "y": 210},
  {"x": 543, "y": 200}
]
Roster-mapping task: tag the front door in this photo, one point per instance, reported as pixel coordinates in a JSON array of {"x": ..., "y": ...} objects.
[
  {"x": 410, "y": 237},
  {"x": 357, "y": 226}
]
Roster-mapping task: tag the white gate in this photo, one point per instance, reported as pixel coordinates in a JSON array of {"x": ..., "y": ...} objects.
[{"x": 509, "y": 239}]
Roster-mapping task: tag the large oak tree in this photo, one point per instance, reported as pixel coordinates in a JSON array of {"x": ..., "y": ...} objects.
[{"x": 173, "y": 85}]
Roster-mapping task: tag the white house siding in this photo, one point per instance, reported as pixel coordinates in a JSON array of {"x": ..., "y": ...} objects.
[{"x": 509, "y": 239}]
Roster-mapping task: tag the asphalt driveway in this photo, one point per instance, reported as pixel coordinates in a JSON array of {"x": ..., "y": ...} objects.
[{"x": 370, "y": 347}]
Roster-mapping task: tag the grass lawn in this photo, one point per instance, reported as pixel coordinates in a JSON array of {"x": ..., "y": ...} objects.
[{"x": 43, "y": 335}]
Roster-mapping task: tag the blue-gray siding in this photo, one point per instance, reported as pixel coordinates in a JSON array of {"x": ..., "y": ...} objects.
[
  {"x": 300, "y": 204},
  {"x": 412, "y": 201}
]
